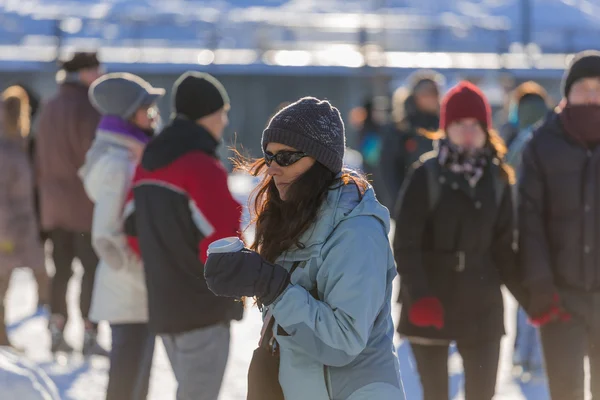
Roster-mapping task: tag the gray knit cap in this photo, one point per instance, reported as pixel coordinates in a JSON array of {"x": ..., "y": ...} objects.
[
  {"x": 313, "y": 126},
  {"x": 122, "y": 94}
]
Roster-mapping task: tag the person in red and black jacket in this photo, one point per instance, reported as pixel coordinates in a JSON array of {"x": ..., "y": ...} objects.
[{"x": 182, "y": 203}]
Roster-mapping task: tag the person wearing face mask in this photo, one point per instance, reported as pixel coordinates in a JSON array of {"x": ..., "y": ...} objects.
[
  {"x": 128, "y": 107},
  {"x": 454, "y": 248},
  {"x": 182, "y": 203},
  {"x": 416, "y": 115},
  {"x": 559, "y": 231},
  {"x": 321, "y": 265}
]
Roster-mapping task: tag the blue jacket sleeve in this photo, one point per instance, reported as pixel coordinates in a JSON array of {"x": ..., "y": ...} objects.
[{"x": 352, "y": 283}]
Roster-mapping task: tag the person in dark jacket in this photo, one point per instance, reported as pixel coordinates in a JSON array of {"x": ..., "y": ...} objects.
[
  {"x": 415, "y": 115},
  {"x": 529, "y": 105},
  {"x": 65, "y": 131},
  {"x": 454, "y": 249},
  {"x": 559, "y": 194},
  {"x": 182, "y": 203}
]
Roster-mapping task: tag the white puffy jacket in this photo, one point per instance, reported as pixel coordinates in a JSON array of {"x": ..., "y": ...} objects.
[{"x": 120, "y": 294}]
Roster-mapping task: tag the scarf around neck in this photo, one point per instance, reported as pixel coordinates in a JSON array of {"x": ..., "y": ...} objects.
[{"x": 469, "y": 163}]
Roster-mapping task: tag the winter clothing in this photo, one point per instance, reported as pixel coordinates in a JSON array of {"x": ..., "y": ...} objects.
[
  {"x": 199, "y": 358},
  {"x": 198, "y": 94},
  {"x": 480, "y": 363},
  {"x": 65, "y": 247},
  {"x": 18, "y": 224},
  {"x": 465, "y": 100},
  {"x": 425, "y": 78},
  {"x": 585, "y": 64},
  {"x": 245, "y": 274},
  {"x": 313, "y": 126},
  {"x": 130, "y": 362},
  {"x": 81, "y": 60},
  {"x": 427, "y": 311},
  {"x": 581, "y": 123},
  {"x": 120, "y": 289},
  {"x": 557, "y": 217},
  {"x": 460, "y": 252},
  {"x": 339, "y": 346},
  {"x": 470, "y": 164},
  {"x": 67, "y": 126},
  {"x": 122, "y": 94},
  {"x": 182, "y": 203},
  {"x": 406, "y": 142},
  {"x": 566, "y": 344},
  {"x": 529, "y": 104}
]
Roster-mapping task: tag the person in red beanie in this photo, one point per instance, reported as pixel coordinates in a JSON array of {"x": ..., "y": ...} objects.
[{"x": 454, "y": 248}]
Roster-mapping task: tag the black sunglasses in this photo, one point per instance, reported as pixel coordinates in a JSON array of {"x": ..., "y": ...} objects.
[{"x": 284, "y": 158}]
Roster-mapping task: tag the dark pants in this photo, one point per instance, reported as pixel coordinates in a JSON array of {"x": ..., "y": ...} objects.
[
  {"x": 130, "y": 362},
  {"x": 67, "y": 247},
  {"x": 566, "y": 344},
  {"x": 480, "y": 363}
]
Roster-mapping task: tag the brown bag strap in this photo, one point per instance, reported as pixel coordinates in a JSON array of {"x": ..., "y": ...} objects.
[{"x": 266, "y": 333}]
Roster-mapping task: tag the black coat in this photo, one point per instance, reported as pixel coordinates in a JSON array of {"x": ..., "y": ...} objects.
[
  {"x": 559, "y": 211},
  {"x": 402, "y": 148},
  {"x": 467, "y": 223}
]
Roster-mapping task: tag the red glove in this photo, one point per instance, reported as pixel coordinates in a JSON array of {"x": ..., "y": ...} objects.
[
  {"x": 554, "y": 313},
  {"x": 427, "y": 311}
]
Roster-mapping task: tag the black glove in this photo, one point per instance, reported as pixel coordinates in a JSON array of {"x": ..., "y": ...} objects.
[{"x": 245, "y": 273}]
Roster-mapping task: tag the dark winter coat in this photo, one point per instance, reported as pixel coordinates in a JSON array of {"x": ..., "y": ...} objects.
[
  {"x": 460, "y": 252},
  {"x": 559, "y": 213},
  {"x": 66, "y": 130},
  {"x": 402, "y": 148},
  {"x": 182, "y": 203}
]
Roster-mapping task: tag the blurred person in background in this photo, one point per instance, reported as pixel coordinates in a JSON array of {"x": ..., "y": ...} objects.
[
  {"x": 128, "y": 107},
  {"x": 528, "y": 106},
  {"x": 41, "y": 276},
  {"x": 371, "y": 122},
  {"x": 65, "y": 131},
  {"x": 415, "y": 116},
  {"x": 183, "y": 203},
  {"x": 20, "y": 243},
  {"x": 559, "y": 231},
  {"x": 321, "y": 265},
  {"x": 454, "y": 249}
]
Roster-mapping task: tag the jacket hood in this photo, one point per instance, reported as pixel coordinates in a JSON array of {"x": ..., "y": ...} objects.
[
  {"x": 110, "y": 141},
  {"x": 181, "y": 136},
  {"x": 342, "y": 203}
]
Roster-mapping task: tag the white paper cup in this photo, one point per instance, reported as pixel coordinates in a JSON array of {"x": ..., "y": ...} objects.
[{"x": 226, "y": 245}]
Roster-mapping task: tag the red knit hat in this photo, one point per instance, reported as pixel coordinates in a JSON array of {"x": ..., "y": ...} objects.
[{"x": 465, "y": 100}]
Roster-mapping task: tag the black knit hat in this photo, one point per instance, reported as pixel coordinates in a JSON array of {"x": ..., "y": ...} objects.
[
  {"x": 313, "y": 126},
  {"x": 584, "y": 65},
  {"x": 81, "y": 60},
  {"x": 198, "y": 94}
]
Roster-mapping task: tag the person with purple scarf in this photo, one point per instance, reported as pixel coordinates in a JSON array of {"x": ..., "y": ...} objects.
[{"x": 127, "y": 104}]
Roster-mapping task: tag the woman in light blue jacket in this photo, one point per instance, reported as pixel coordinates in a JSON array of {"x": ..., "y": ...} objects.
[{"x": 333, "y": 328}]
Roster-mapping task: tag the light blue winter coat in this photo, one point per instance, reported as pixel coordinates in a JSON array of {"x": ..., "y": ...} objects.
[{"x": 340, "y": 346}]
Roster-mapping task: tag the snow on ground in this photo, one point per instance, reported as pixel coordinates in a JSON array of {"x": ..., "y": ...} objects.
[{"x": 86, "y": 380}]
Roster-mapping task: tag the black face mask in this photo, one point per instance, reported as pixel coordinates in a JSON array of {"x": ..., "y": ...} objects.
[{"x": 582, "y": 122}]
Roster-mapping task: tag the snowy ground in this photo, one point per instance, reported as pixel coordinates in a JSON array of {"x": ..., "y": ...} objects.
[{"x": 86, "y": 380}]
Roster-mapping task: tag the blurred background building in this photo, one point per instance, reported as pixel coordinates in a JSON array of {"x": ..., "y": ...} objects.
[{"x": 268, "y": 52}]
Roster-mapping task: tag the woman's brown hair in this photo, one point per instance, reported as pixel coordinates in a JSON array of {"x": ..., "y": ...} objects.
[
  {"x": 280, "y": 224},
  {"x": 495, "y": 142},
  {"x": 16, "y": 112}
]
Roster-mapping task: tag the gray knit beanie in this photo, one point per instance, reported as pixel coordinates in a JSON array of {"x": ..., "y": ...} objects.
[
  {"x": 122, "y": 94},
  {"x": 313, "y": 126}
]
